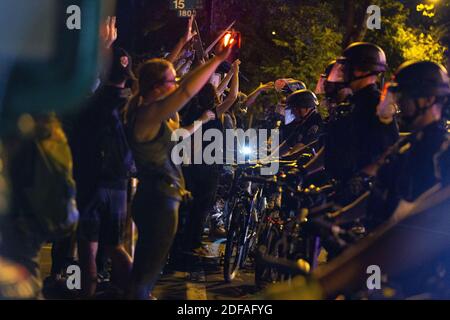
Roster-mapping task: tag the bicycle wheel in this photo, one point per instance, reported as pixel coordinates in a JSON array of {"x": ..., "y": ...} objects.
[
  {"x": 252, "y": 221},
  {"x": 269, "y": 239},
  {"x": 235, "y": 244}
]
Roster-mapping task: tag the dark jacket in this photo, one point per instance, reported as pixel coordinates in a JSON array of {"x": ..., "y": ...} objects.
[
  {"x": 419, "y": 163},
  {"x": 104, "y": 104},
  {"x": 359, "y": 138}
]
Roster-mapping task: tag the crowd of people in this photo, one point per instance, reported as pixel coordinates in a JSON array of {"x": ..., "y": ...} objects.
[{"x": 123, "y": 133}]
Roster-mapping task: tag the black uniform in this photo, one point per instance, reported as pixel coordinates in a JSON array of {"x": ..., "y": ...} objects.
[
  {"x": 304, "y": 132},
  {"x": 202, "y": 181},
  {"x": 358, "y": 138},
  {"x": 102, "y": 192},
  {"x": 420, "y": 162}
]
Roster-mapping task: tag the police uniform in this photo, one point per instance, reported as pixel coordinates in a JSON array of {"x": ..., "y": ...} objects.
[
  {"x": 304, "y": 132},
  {"x": 358, "y": 138},
  {"x": 419, "y": 162}
]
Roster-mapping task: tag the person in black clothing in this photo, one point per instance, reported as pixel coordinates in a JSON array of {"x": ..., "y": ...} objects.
[
  {"x": 333, "y": 94},
  {"x": 357, "y": 137},
  {"x": 303, "y": 124},
  {"x": 202, "y": 180},
  {"x": 420, "y": 160},
  {"x": 102, "y": 196},
  {"x": 407, "y": 241}
]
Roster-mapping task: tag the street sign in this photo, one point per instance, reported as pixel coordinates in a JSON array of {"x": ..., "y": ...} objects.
[
  {"x": 186, "y": 4},
  {"x": 186, "y": 8}
]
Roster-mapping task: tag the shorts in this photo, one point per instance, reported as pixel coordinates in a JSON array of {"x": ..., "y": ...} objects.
[{"x": 103, "y": 217}]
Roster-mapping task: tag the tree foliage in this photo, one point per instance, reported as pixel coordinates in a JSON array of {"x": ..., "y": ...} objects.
[
  {"x": 299, "y": 38},
  {"x": 403, "y": 37}
]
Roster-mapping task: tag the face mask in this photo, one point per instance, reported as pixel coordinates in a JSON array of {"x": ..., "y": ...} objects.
[
  {"x": 320, "y": 87},
  {"x": 408, "y": 118},
  {"x": 306, "y": 116},
  {"x": 289, "y": 116},
  {"x": 332, "y": 89}
]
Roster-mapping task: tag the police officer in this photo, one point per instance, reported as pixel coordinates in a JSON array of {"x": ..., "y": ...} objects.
[
  {"x": 273, "y": 114},
  {"x": 303, "y": 124},
  {"x": 418, "y": 247},
  {"x": 358, "y": 137},
  {"x": 334, "y": 93},
  {"x": 420, "y": 161}
]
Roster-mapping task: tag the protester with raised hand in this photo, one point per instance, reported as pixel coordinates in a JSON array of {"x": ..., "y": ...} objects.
[
  {"x": 251, "y": 99},
  {"x": 108, "y": 32},
  {"x": 234, "y": 91},
  {"x": 187, "y": 37},
  {"x": 161, "y": 183}
]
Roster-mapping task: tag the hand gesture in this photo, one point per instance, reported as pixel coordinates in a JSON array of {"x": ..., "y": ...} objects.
[
  {"x": 207, "y": 116},
  {"x": 108, "y": 32},
  {"x": 189, "y": 34},
  {"x": 386, "y": 109},
  {"x": 266, "y": 86},
  {"x": 222, "y": 52},
  {"x": 235, "y": 66}
]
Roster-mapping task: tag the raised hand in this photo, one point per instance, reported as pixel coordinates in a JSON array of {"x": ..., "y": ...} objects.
[
  {"x": 189, "y": 34},
  {"x": 235, "y": 65},
  {"x": 108, "y": 32},
  {"x": 207, "y": 116},
  {"x": 222, "y": 52},
  {"x": 266, "y": 86},
  {"x": 386, "y": 109}
]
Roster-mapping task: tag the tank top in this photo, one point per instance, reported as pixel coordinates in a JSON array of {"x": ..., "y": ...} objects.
[{"x": 154, "y": 162}]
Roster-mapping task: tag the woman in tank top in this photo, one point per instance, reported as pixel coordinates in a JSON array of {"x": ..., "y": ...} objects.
[{"x": 161, "y": 184}]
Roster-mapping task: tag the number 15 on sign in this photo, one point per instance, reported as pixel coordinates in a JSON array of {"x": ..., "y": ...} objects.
[{"x": 178, "y": 4}]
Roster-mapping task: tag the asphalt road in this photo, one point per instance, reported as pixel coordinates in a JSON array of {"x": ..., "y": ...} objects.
[{"x": 201, "y": 279}]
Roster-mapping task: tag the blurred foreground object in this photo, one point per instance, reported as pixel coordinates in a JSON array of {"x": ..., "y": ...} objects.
[
  {"x": 43, "y": 64},
  {"x": 15, "y": 282}
]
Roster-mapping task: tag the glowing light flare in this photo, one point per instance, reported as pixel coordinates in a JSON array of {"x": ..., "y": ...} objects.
[{"x": 228, "y": 39}]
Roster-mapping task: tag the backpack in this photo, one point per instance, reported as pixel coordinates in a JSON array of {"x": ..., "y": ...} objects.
[{"x": 45, "y": 188}]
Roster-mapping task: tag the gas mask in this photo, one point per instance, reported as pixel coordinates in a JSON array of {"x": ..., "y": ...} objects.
[
  {"x": 409, "y": 111},
  {"x": 337, "y": 80},
  {"x": 332, "y": 90},
  {"x": 339, "y": 74}
]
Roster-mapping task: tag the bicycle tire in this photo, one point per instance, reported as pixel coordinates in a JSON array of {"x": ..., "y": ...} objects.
[{"x": 234, "y": 243}]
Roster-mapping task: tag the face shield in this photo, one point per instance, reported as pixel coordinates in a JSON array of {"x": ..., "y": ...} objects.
[
  {"x": 320, "y": 87},
  {"x": 387, "y": 107},
  {"x": 338, "y": 73},
  {"x": 336, "y": 81},
  {"x": 287, "y": 86},
  {"x": 407, "y": 107},
  {"x": 289, "y": 116}
]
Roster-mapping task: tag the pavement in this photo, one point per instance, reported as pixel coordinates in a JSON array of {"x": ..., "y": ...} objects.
[{"x": 201, "y": 279}]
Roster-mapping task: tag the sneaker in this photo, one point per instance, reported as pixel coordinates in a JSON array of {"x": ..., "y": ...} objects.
[{"x": 203, "y": 252}]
